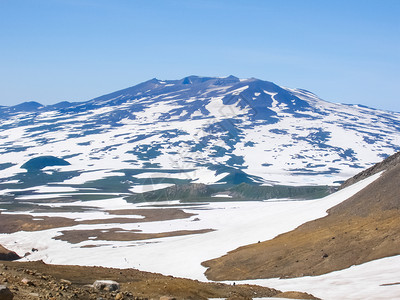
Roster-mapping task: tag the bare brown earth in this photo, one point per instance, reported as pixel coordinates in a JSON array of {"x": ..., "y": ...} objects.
[
  {"x": 363, "y": 228},
  {"x": 10, "y": 223},
  {"x": 295, "y": 295},
  {"x": 119, "y": 234},
  {"x": 52, "y": 282}
]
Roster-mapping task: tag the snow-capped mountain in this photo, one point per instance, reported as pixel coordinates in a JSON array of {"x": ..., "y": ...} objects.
[{"x": 197, "y": 129}]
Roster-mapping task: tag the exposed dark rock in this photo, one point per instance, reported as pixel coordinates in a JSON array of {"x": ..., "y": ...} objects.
[
  {"x": 5, "y": 293},
  {"x": 6, "y": 254},
  {"x": 41, "y": 162},
  {"x": 183, "y": 191}
]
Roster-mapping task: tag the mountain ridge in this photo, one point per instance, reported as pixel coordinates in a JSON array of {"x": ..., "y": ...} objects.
[
  {"x": 274, "y": 134},
  {"x": 156, "y": 80}
]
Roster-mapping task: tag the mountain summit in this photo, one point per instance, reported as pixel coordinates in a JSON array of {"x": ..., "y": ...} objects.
[{"x": 200, "y": 129}]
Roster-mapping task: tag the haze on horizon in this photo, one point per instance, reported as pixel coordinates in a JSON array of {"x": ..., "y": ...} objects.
[{"x": 70, "y": 50}]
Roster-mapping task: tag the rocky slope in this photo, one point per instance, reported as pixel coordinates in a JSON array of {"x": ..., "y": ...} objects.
[
  {"x": 387, "y": 164},
  {"x": 36, "y": 280},
  {"x": 363, "y": 228}
]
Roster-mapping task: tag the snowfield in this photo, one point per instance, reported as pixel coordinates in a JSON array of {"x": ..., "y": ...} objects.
[
  {"x": 234, "y": 223},
  {"x": 194, "y": 130}
]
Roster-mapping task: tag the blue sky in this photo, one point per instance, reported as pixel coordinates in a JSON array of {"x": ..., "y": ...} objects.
[{"x": 75, "y": 50}]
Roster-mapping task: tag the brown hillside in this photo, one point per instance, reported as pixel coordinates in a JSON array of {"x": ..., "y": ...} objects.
[
  {"x": 387, "y": 164},
  {"x": 363, "y": 228}
]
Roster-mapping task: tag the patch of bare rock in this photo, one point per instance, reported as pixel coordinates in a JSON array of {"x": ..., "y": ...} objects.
[{"x": 5, "y": 293}]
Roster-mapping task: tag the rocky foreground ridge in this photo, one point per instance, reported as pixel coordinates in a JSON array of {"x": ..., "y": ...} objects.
[{"x": 37, "y": 280}]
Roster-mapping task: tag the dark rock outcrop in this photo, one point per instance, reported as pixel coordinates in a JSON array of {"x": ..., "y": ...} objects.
[
  {"x": 6, "y": 254},
  {"x": 5, "y": 293},
  {"x": 41, "y": 162},
  {"x": 182, "y": 192}
]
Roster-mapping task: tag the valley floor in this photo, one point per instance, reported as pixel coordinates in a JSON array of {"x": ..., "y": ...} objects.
[{"x": 174, "y": 238}]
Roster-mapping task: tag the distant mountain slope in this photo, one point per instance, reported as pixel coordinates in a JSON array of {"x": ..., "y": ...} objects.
[
  {"x": 363, "y": 228},
  {"x": 206, "y": 129}
]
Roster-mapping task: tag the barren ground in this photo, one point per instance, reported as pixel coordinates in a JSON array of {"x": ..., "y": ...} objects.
[{"x": 73, "y": 282}]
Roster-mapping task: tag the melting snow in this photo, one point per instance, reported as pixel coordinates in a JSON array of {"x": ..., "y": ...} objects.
[{"x": 235, "y": 223}]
